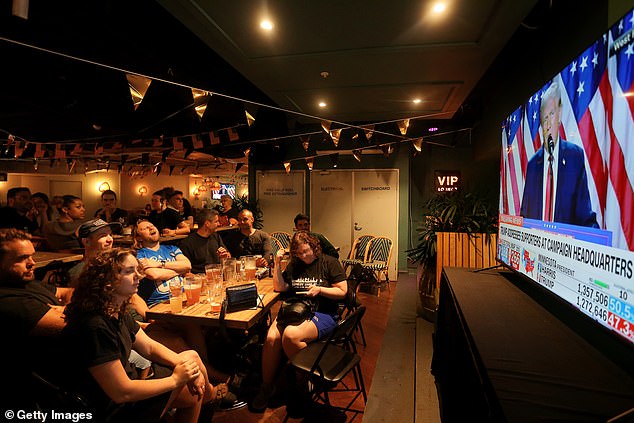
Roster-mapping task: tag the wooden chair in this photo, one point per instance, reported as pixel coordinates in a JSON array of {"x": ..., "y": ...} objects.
[
  {"x": 358, "y": 252},
  {"x": 378, "y": 258},
  {"x": 284, "y": 238}
]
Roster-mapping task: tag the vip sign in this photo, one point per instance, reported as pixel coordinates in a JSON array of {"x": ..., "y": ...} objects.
[{"x": 447, "y": 181}]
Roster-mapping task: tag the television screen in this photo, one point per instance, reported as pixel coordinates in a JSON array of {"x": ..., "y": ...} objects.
[
  {"x": 229, "y": 189},
  {"x": 567, "y": 178}
]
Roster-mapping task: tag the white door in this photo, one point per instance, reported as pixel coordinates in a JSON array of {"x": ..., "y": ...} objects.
[{"x": 347, "y": 204}]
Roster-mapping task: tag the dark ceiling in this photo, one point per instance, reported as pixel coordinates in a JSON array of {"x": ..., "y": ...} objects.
[{"x": 378, "y": 55}]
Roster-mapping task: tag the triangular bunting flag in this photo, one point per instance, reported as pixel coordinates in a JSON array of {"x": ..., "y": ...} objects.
[
  {"x": 325, "y": 125},
  {"x": 138, "y": 87},
  {"x": 418, "y": 144},
  {"x": 60, "y": 151},
  {"x": 287, "y": 167},
  {"x": 233, "y": 134},
  {"x": 250, "y": 119},
  {"x": 335, "y": 134},
  {"x": 197, "y": 142},
  {"x": 77, "y": 149},
  {"x": 368, "y": 130},
  {"x": 17, "y": 150},
  {"x": 403, "y": 125},
  {"x": 214, "y": 138},
  {"x": 98, "y": 149},
  {"x": 39, "y": 151},
  {"x": 201, "y": 98},
  {"x": 309, "y": 163}
]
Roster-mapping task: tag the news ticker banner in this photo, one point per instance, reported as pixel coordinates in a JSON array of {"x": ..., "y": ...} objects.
[{"x": 594, "y": 278}]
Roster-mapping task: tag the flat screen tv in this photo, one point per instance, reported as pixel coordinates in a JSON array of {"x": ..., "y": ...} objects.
[
  {"x": 229, "y": 189},
  {"x": 567, "y": 183}
]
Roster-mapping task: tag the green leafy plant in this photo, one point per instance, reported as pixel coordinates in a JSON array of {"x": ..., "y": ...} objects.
[
  {"x": 243, "y": 202},
  {"x": 452, "y": 212}
]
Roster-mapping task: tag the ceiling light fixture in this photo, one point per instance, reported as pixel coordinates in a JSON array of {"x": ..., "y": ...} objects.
[
  {"x": 439, "y": 7},
  {"x": 266, "y": 24},
  {"x": 322, "y": 104},
  {"x": 416, "y": 101}
]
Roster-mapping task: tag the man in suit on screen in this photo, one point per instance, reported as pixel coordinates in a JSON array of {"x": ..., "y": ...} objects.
[{"x": 556, "y": 185}]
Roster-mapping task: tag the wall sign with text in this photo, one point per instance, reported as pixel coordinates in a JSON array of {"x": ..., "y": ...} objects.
[{"x": 447, "y": 181}]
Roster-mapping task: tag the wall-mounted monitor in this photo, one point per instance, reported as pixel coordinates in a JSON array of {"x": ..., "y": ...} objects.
[
  {"x": 567, "y": 183},
  {"x": 228, "y": 189}
]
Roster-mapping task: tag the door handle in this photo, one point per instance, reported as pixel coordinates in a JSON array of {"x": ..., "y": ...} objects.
[{"x": 357, "y": 227}]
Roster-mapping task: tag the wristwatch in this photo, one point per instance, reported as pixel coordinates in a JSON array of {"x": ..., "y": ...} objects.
[{"x": 163, "y": 264}]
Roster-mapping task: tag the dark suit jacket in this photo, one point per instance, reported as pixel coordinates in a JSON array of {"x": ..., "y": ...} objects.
[{"x": 572, "y": 204}]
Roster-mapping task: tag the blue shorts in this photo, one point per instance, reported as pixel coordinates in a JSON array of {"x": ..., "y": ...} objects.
[{"x": 325, "y": 323}]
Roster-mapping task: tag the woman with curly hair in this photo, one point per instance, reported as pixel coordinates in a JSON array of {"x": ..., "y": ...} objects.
[
  {"x": 100, "y": 334},
  {"x": 322, "y": 279}
]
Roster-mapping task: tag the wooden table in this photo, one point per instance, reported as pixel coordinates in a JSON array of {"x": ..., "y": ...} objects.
[
  {"x": 126, "y": 240},
  {"x": 44, "y": 258},
  {"x": 201, "y": 313}
]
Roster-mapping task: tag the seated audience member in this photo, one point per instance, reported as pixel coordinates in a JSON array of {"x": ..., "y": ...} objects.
[
  {"x": 62, "y": 233},
  {"x": 33, "y": 316},
  {"x": 44, "y": 211},
  {"x": 307, "y": 264},
  {"x": 110, "y": 212},
  {"x": 204, "y": 246},
  {"x": 167, "y": 219},
  {"x": 99, "y": 336},
  {"x": 95, "y": 236},
  {"x": 249, "y": 241},
  {"x": 228, "y": 215},
  {"x": 18, "y": 213},
  {"x": 160, "y": 263},
  {"x": 302, "y": 223}
]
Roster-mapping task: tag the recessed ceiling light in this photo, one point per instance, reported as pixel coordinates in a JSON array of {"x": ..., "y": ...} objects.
[
  {"x": 439, "y": 7},
  {"x": 416, "y": 100},
  {"x": 266, "y": 24},
  {"x": 322, "y": 104}
]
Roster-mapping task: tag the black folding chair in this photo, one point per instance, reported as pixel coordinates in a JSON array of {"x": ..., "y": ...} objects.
[{"x": 328, "y": 362}]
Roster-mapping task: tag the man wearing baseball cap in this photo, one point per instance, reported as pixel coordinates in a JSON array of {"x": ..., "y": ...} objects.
[{"x": 95, "y": 236}]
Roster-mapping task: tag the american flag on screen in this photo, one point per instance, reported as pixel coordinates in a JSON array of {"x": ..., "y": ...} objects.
[{"x": 597, "y": 115}]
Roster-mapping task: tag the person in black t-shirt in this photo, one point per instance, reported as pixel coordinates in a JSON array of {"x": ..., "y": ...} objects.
[
  {"x": 204, "y": 246},
  {"x": 100, "y": 334},
  {"x": 33, "y": 316},
  {"x": 18, "y": 213},
  {"x": 167, "y": 219},
  {"x": 109, "y": 212},
  {"x": 322, "y": 278}
]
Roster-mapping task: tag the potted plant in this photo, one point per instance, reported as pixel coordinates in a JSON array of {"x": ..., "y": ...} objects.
[{"x": 447, "y": 212}]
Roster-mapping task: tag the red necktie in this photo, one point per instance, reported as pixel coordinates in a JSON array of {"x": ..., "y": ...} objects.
[{"x": 549, "y": 191}]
